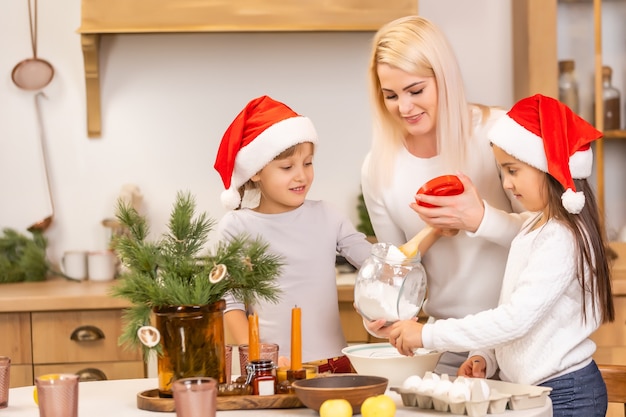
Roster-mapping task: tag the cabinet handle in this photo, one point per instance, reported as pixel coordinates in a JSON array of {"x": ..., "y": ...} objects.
[
  {"x": 91, "y": 374},
  {"x": 87, "y": 334}
]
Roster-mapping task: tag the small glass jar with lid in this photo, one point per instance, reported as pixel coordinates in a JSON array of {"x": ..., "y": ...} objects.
[
  {"x": 568, "y": 85},
  {"x": 262, "y": 377}
]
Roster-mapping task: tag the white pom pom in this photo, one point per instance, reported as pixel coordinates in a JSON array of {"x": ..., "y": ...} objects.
[
  {"x": 230, "y": 199},
  {"x": 573, "y": 202}
]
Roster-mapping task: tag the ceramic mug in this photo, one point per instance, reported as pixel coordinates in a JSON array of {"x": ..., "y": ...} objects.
[
  {"x": 74, "y": 264},
  {"x": 102, "y": 265}
]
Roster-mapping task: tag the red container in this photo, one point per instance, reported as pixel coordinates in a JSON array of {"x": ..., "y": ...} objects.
[{"x": 445, "y": 185}]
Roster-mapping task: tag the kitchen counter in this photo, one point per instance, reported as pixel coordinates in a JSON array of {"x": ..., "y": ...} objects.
[
  {"x": 58, "y": 294},
  {"x": 119, "y": 398}
]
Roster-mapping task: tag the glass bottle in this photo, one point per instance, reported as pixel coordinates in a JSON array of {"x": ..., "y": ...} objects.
[
  {"x": 612, "y": 101},
  {"x": 568, "y": 85}
]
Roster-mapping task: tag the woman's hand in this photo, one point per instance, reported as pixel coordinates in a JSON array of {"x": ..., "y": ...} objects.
[
  {"x": 406, "y": 336},
  {"x": 462, "y": 212},
  {"x": 473, "y": 367}
]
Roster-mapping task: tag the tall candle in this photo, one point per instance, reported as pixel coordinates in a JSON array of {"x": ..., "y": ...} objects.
[
  {"x": 296, "y": 338},
  {"x": 254, "y": 347}
]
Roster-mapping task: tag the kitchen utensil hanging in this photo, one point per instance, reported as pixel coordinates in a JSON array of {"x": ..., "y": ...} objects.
[
  {"x": 42, "y": 225},
  {"x": 32, "y": 73}
]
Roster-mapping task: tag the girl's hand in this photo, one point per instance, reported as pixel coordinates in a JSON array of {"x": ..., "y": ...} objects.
[
  {"x": 473, "y": 367},
  {"x": 406, "y": 336},
  {"x": 462, "y": 212}
]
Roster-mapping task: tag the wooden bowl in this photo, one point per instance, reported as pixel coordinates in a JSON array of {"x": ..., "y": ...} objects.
[{"x": 352, "y": 387}]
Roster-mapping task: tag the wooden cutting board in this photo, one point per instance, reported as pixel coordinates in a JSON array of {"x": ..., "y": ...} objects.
[{"x": 150, "y": 400}]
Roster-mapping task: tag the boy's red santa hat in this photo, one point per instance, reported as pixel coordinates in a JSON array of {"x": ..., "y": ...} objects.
[
  {"x": 259, "y": 133},
  {"x": 549, "y": 136}
]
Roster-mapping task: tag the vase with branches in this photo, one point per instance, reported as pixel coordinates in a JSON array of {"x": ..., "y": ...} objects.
[{"x": 177, "y": 274}]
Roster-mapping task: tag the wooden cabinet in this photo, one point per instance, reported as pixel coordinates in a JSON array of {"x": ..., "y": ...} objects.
[
  {"x": 59, "y": 326},
  {"x": 611, "y": 337},
  {"x": 15, "y": 343},
  {"x": 536, "y": 55}
]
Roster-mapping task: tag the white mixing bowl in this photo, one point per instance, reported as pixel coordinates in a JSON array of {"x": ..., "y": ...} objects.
[{"x": 382, "y": 359}]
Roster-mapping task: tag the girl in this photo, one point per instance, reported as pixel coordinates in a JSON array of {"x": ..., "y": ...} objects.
[
  {"x": 266, "y": 158},
  {"x": 556, "y": 290}
]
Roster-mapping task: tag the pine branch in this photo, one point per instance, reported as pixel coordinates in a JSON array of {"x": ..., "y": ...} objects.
[{"x": 174, "y": 270}]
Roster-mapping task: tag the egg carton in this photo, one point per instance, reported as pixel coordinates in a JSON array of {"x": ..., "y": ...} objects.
[{"x": 501, "y": 395}]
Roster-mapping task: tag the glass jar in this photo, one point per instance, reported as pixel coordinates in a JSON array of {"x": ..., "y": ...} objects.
[
  {"x": 612, "y": 102},
  {"x": 262, "y": 377},
  {"x": 389, "y": 287},
  {"x": 568, "y": 85}
]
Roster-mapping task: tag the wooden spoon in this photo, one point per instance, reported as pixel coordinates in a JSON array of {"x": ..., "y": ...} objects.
[{"x": 411, "y": 248}]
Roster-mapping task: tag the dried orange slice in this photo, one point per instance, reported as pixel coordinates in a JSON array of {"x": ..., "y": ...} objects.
[{"x": 217, "y": 273}]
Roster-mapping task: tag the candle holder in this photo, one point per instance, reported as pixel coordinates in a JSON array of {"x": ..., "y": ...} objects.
[{"x": 295, "y": 374}]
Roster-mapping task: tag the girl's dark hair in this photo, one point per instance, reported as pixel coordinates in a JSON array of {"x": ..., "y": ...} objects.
[{"x": 591, "y": 244}]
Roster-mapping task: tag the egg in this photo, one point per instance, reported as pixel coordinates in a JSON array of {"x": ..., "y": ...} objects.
[
  {"x": 480, "y": 390},
  {"x": 412, "y": 383},
  {"x": 428, "y": 384},
  {"x": 460, "y": 390},
  {"x": 442, "y": 389}
]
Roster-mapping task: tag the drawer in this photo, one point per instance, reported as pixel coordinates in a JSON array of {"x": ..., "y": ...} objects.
[
  {"x": 79, "y": 336},
  {"x": 21, "y": 376},
  {"x": 96, "y": 371},
  {"x": 17, "y": 344}
]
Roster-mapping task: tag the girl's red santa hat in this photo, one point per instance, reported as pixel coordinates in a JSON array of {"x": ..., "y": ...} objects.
[
  {"x": 549, "y": 136},
  {"x": 259, "y": 133}
]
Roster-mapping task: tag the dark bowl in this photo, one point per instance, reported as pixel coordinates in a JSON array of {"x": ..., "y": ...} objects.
[{"x": 352, "y": 387}]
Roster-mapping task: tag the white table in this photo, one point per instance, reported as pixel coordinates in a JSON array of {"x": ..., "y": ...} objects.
[{"x": 118, "y": 398}]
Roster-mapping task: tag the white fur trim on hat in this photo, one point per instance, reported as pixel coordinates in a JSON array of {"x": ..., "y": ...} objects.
[
  {"x": 263, "y": 149},
  {"x": 524, "y": 145},
  {"x": 573, "y": 201},
  {"x": 230, "y": 198}
]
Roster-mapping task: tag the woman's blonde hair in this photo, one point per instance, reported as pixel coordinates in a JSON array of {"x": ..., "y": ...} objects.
[{"x": 416, "y": 46}]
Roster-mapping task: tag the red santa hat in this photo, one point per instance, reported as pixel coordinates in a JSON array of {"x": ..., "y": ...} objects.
[
  {"x": 549, "y": 136},
  {"x": 260, "y": 132}
]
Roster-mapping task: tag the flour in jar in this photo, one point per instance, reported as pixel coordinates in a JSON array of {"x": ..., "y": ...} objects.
[{"x": 377, "y": 300}]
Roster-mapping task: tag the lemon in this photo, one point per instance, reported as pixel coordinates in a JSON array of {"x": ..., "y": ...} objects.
[
  {"x": 336, "y": 408},
  {"x": 378, "y": 406},
  {"x": 46, "y": 377}
]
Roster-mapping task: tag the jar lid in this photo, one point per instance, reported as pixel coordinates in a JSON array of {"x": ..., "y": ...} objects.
[{"x": 566, "y": 65}]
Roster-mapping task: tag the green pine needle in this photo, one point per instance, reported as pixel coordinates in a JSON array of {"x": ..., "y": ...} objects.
[
  {"x": 175, "y": 269},
  {"x": 22, "y": 258}
]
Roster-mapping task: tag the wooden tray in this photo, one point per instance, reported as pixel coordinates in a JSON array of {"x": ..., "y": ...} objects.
[{"x": 149, "y": 400}]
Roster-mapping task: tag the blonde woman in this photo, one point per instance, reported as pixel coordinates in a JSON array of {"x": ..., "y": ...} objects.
[{"x": 423, "y": 128}]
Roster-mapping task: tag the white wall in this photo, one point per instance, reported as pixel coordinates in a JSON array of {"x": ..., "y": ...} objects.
[{"x": 167, "y": 99}]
